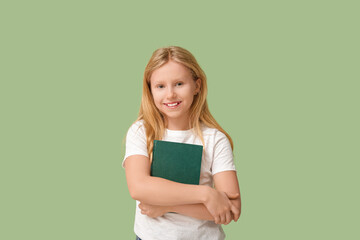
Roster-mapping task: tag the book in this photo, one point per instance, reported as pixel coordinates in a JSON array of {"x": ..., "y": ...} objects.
[{"x": 178, "y": 162}]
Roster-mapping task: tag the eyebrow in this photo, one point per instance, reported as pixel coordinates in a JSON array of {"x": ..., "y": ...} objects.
[{"x": 162, "y": 81}]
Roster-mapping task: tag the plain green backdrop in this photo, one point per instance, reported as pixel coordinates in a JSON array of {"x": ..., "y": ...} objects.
[{"x": 283, "y": 80}]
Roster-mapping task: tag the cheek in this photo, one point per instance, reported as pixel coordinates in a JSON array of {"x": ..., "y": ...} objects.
[
  {"x": 191, "y": 98},
  {"x": 157, "y": 99},
  {"x": 189, "y": 93}
]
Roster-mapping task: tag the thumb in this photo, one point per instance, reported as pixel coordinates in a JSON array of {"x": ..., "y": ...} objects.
[{"x": 232, "y": 195}]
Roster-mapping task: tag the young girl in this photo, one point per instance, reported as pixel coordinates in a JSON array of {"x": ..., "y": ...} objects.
[{"x": 174, "y": 108}]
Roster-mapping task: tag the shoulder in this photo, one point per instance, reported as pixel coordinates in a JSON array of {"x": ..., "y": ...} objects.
[
  {"x": 215, "y": 133},
  {"x": 216, "y": 140},
  {"x": 139, "y": 124},
  {"x": 137, "y": 128}
]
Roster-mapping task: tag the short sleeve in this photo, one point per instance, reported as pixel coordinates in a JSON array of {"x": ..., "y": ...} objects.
[
  {"x": 223, "y": 155},
  {"x": 135, "y": 141}
]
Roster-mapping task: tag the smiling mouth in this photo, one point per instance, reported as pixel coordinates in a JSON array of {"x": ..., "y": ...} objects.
[{"x": 172, "y": 104}]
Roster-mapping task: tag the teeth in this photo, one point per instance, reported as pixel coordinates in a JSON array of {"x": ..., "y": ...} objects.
[{"x": 173, "y": 104}]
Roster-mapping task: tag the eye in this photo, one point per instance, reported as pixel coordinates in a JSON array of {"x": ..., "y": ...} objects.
[
  {"x": 179, "y": 84},
  {"x": 160, "y": 86}
]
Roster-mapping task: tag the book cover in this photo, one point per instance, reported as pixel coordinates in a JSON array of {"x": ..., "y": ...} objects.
[{"x": 179, "y": 162}]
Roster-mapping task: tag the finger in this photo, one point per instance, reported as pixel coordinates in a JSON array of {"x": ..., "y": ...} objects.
[
  {"x": 236, "y": 212},
  {"x": 232, "y": 216},
  {"x": 228, "y": 217},
  {"x": 222, "y": 218},
  {"x": 216, "y": 220}
]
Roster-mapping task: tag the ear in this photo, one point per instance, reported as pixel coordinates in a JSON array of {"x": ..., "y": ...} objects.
[{"x": 198, "y": 85}]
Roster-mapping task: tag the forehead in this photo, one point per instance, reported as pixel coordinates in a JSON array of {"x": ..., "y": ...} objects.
[{"x": 170, "y": 71}]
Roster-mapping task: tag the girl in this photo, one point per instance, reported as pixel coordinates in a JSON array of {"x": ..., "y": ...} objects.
[{"x": 174, "y": 108}]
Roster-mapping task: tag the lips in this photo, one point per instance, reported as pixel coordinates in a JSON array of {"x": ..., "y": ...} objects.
[{"x": 172, "y": 104}]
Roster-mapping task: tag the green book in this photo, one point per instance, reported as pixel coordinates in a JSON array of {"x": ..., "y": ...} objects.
[{"x": 178, "y": 162}]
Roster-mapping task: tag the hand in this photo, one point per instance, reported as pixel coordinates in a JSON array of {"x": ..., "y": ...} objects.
[
  {"x": 152, "y": 211},
  {"x": 220, "y": 207},
  {"x": 237, "y": 203}
]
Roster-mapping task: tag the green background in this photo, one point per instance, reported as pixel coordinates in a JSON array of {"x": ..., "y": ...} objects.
[{"x": 283, "y": 80}]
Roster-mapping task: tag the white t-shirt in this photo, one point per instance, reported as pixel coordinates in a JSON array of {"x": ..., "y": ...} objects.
[{"x": 218, "y": 157}]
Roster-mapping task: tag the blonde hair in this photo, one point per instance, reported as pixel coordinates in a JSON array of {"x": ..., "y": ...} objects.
[{"x": 153, "y": 119}]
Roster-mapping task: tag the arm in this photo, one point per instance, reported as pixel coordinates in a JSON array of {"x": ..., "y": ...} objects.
[
  {"x": 224, "y": 181},
  {"x": 159, "y": 191},
  {"x": 227, "y": 181},
  {"x": 198, "y": 211}
]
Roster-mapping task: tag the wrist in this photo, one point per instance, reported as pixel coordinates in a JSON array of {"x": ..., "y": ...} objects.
[{"x": 206, "y": 193}]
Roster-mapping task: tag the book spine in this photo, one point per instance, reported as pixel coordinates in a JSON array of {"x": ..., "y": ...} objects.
[{"x": 153, "y": 157}]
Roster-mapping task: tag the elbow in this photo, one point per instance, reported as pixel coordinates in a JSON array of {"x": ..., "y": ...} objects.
[
  {"x": 137, "y": 190},
  {"x": 133, "y": 194}
]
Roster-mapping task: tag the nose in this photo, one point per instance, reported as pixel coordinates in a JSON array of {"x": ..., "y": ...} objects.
[{"x": 171, "y": 93}]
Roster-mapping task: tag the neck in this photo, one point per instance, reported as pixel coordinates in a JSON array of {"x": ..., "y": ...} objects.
[{"x": 177, "y": 124}]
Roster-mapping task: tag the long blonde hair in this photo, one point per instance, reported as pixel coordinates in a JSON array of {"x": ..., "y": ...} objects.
[{"x": 153, "y": 119}]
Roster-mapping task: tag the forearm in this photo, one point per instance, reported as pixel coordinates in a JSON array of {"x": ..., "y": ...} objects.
[
  {"x": 159, "y": 191},
  {"x": 198, "y": 211}
]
